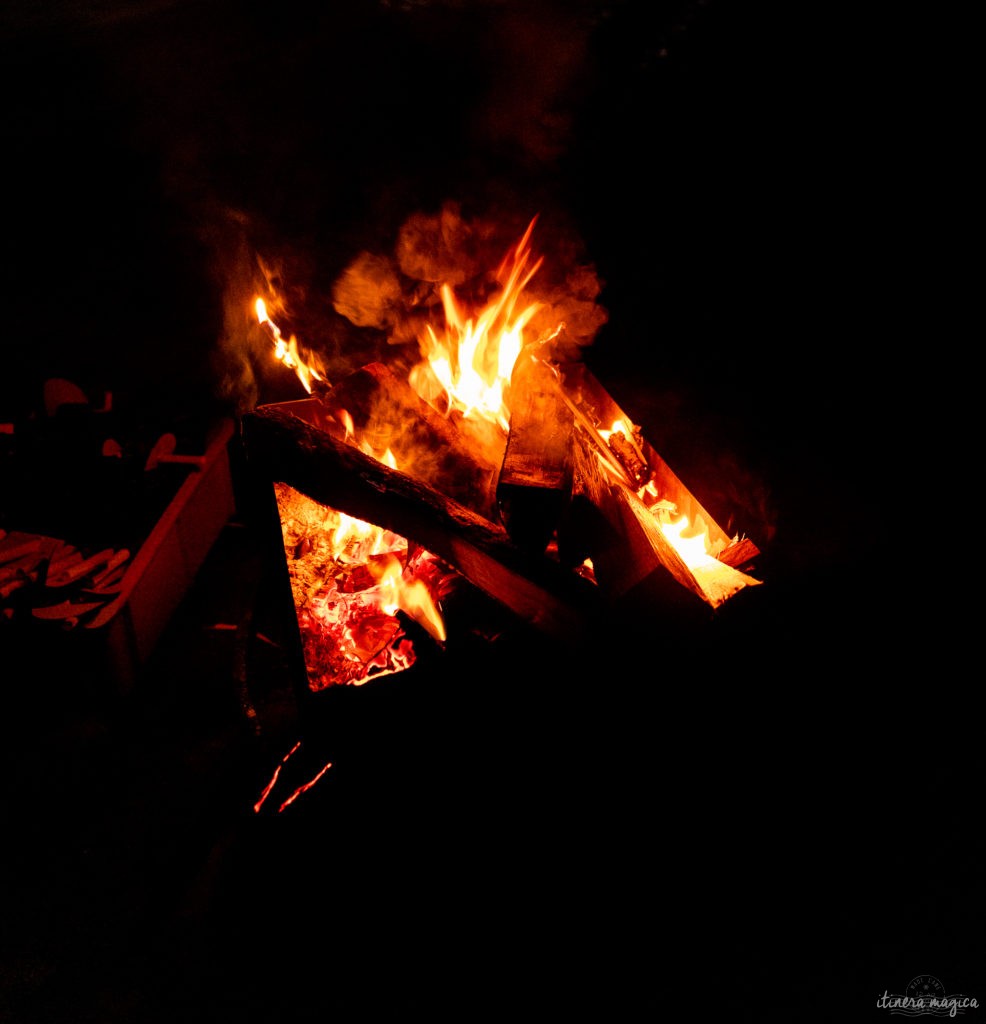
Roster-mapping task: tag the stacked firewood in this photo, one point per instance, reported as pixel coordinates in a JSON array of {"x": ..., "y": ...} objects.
[
  {"x": 55, "y": 581},
  {"x": 559, "y": 523}
]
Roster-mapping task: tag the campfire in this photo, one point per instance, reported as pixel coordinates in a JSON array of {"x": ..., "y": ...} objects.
[{"x": 493, "y": 461}]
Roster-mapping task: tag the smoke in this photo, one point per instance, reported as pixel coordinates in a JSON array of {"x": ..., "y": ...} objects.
[
  {"x": 345, "y": 160},
  {"x": 304, "y": 153},
  {"x": 398, "y": 292}
]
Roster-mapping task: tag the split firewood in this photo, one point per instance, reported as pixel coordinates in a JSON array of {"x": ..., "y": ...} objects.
[
  {"x": 739, "y": 554},
  {"x": 19, "y": 546},
  {"x": 594, "y": 525},
  {"x": 20, "y": 566},
  {"x": 597, "y": 407},
  {"x": 25, "y": 558},
  {"x": 624, "y": 539},
  {"x": 62, "y": 560},
  {"x": 535, "y": 477},
  {"x": 19, "y": 553},
  {"x": 12, "y": 585},
  {"x": 707, "y": 577},
  {"x": 66, "y": 612},
  {"x": 386, "y": 413},
  {"x": 76, "y": 572},
  {"x": 283, "y": 447},
  {"x": 39, "y": 566},
  {"x": 114, "y": 570}
]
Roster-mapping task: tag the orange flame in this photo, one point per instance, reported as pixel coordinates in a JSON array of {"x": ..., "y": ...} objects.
[
  {"x": 383, "y": 553},
  {"x": 286, "y": 351},
  {"x": 691, "y": 544},
  {"x": 350, "y": 579},
  {"x": 469, "y": 364},
  {"x": 619, "y": 426},
  {"x": 410, "y": 596}
]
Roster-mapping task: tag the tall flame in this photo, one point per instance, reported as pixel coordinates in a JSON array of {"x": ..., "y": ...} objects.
[
  {"x": 469, "y": 364},
  {"x": 286, "y": 350}
]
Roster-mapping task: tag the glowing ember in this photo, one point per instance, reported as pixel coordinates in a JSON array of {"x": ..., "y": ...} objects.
[
  {"x": 273, "y": 781},
  {"x": 618, "y": 427},
  {"x": 304, "y": 787},
  {"x": 468, "y": 366},
  {"x": 286, "y": 351},
  {"x": 350, "y": 580}
]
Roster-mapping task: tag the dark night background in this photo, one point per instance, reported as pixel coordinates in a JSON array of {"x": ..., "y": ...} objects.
[{"x": 786, "y": 825}]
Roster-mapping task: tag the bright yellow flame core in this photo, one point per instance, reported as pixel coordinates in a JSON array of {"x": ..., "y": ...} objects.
[
  {"x": 693, "y": 549},
  {"x": 472, "y": 360},
  {"x": 410, "y": 596},
  {"x": 356, "y": 540}
]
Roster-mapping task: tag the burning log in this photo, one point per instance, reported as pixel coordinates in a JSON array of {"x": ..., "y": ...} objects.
[
  {"x": 598, "y": 412},
  {"x": 284, "y": 445},
  {"x": 629, "y": 546},
  {"x": 535, "y": 477},
  {"x": 388, "y": 414},
  {"x": 706, "y": 576},
  {"x": 633, "y": 543}
]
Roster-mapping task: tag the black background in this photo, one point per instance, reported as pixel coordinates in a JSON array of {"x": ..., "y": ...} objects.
[{"x": 759, "y": 191}]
